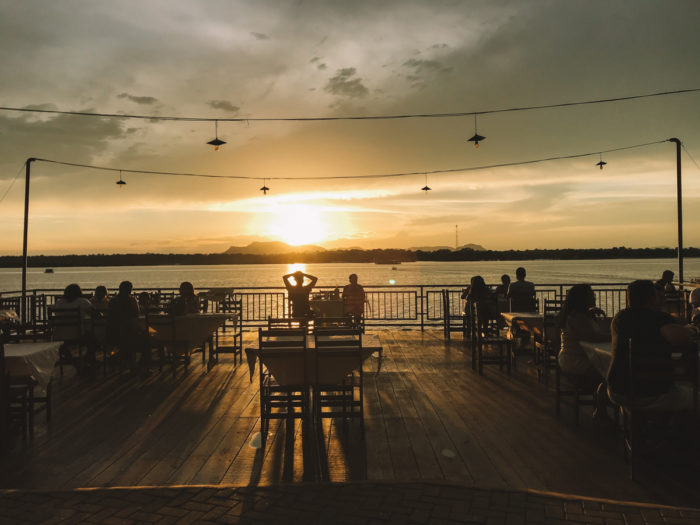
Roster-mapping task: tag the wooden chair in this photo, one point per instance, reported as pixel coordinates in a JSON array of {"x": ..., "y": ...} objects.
[
  {"x": 67, "y": 325},
  {"x": 233, "y": 328},
  {"x": 637, "y": 418},
  {"x": 338, "y": 381},
  {"x": 284, "y": 384},
  {"x": 548, "y": 343},
  {"x": 487, "y": 334},
  {"x": 288, "y": 322},
  {"x": 333, "y": 322},
  {"x": 162, "y": 336},
  {"x": 452, "y": 322},
  {"x": 523, "y": 303}
]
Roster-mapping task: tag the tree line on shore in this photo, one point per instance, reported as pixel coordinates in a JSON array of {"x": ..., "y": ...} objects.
[{"x": 390, "y": 256}]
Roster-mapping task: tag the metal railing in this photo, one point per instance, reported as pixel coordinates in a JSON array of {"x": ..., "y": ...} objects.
[{"x": 400, "y": 306}]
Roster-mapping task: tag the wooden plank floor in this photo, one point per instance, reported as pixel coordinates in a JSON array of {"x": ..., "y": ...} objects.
[{"x": 427, "y": 416}]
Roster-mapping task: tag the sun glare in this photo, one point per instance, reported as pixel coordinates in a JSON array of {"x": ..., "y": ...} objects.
[{"x": 298, "y": 224}]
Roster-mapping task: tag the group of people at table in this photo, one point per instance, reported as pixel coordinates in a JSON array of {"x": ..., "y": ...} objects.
[
  {"x": 580, "y": 320},
  {"x": 121, "y": 313},
  {"x": 300, "y": 284}
]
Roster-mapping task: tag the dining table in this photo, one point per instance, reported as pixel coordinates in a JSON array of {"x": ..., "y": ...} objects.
[
  {"x": 196, "y": 329},
  {"x": 327, "y": 307},
  {"x": 33, "y": 360},
  {"x": 280, "y": 366}
]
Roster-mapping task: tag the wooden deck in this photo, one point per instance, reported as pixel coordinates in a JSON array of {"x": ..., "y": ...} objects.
[{"x": 427, "y": 416}]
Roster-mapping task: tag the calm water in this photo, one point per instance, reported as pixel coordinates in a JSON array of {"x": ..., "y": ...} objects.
[{"x": 433, "y": 273}]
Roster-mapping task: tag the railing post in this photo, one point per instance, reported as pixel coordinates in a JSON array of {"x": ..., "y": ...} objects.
[{"x": 422, "y": 310}]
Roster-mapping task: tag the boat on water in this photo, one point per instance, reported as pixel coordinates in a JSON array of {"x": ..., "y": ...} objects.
[{"x": 48, "y": 270}]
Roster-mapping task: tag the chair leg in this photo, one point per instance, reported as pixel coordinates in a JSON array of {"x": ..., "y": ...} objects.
[{"x": 557, "y": 387}]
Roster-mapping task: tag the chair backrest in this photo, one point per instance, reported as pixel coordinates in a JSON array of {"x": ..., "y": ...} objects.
[
  {"x": 551, "y": 331},
  {"x": 66, "y": 324},
  {"x": 332, "y": 322},
  {"x": 281, "y": 338},
  {"x": 523, "y": 303},
  {"x": 286, "y": 322},
  {"x": 337, "y": 337},
  {"x": 282, "y": 354},
  {"x": 338, "y": 352}
]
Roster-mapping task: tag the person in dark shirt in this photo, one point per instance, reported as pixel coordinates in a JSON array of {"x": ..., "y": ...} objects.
[
  {"x": 298, "y": 292},
  {"x": 654, "y": 334},
  {"x": 187, "y": 303},
  {"x": 123, "y": 327},
  {"x": 521, "y": 293}
]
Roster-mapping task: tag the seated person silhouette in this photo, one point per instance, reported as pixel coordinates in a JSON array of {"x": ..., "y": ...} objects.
[
  {"x": 521, "y": 293},
  {"x": 298, "y": 292},
  {"x": 186, "y": 303}
]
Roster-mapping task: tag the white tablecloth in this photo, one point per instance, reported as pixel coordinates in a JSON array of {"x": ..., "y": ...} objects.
[
  {"x": 194, "y": 328},
  {"x": 36, "y": 360}
]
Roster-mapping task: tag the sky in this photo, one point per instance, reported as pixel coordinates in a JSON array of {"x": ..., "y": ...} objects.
[{"x": 332, "y": 58}]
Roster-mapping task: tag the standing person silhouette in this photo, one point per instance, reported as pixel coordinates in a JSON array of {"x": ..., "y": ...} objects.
[
  {"x": 299, "y": 292},
  {"x": 354, "y": 299}
]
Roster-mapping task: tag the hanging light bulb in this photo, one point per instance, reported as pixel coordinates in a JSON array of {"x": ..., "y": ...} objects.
[
  {"x": 476, "y": 138},
  {"x": 216, "y": 142},
  {"x": 264, "y": 188},
  {"x": 120, "y": 182},
  {"x": 601, "y": 162},
  {"x": 426, "y": 188}
]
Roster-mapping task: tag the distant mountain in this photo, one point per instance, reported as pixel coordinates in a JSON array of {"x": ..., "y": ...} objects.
[
  {"x": 429, "y": 248},
  {"x": 273, "y": 248},
  {"x": 475, "y": 247}
]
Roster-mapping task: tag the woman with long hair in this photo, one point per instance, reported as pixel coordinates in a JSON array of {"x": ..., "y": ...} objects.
[{"x": 581, "y": 320}]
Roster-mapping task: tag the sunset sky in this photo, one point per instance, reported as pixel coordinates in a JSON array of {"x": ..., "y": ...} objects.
[{"x": 323, "y": 58}]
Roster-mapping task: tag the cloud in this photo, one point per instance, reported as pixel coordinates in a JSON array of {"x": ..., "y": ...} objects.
[
  {"x": 224, "y": 105},
  {"x": 147, "y": 101},
  {"x": 344, "y": 85},
  {"x": 426, "y": 66},
  {"x": 260, "y": 36}
]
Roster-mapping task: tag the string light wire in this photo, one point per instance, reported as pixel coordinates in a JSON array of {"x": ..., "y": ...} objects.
[
  {"x": 352, "y": 117},
  {"x": 13, "y": 181},
  {"x": 690, "y": 156},
  {"x": 348, "y": 177}
]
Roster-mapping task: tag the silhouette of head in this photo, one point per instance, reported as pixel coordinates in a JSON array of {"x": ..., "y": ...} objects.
[
  {"x": 667, "y": 276},
  {"x": 478, "y": 284},
  {"x": 520, "y": 273},
  {"x": 505, "y": 279},
  {"x": 125, "y": 287},
  {"x": 186, "y": 289},
  {"x": 72, "y": 292},
  {"x": 299, "y": 278},
  {"x": 642, "y": 293},
  {"x": 580, "y": 298},
  {"x": 100, "y": 292},
  {"x": 353, "y": 278}
]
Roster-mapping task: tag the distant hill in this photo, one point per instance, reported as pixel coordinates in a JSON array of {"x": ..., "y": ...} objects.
[
  {"x": 273, "y": 248},
  {"x": 475, "y": 247}
]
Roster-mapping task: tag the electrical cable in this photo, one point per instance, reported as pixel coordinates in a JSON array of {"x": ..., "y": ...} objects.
[
  {"x": 356, "y": 117},
  {"x": 12, "y": 183},
  {"x": 347, "y": 177}
]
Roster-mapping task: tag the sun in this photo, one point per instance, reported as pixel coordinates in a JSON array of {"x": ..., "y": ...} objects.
[{"x": 298, "y": 224}]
